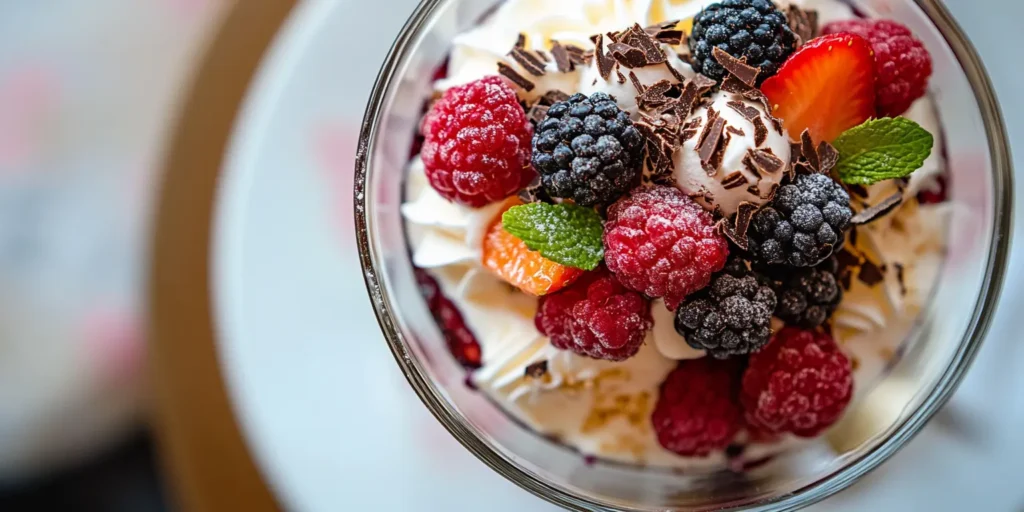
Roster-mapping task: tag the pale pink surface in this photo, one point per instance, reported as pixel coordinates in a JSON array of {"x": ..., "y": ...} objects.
[{"x": 28, "y": 96}]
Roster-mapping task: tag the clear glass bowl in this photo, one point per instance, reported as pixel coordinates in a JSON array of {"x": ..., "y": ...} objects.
[{"x": 917, "y": 385}]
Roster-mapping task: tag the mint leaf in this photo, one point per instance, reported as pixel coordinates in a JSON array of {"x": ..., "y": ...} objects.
[
  {"x": 881, "y": 149},
  {"x": 563, "y": 233}
]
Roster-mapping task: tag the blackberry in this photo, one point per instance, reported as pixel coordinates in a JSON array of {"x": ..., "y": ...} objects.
[
  {"x": 587, "y": 150},
  {"x": 803, "y": 224},
  {"x": 807, "y": 297},
  {"x": 754, "y": 29},
  {"x": 731, "y": 316}
]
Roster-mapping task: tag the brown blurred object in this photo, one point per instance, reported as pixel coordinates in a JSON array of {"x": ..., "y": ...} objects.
[{"x": 204, "y": 454}]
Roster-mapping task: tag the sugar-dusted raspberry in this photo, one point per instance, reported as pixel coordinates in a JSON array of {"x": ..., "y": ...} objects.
[
  {"x": 697, "y": 411},
  {"x": 902, "y": 64},
  {"x": 659, "y": 242},
  {"x": 595, "y": 317},
  {"x": 800, "y": 383},
  {"x": 461, "y": 342},
  {"x": 476, "y": 147}
]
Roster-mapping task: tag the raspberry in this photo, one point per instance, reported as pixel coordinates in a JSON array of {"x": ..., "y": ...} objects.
[
  {"x": 902, "y": 64},
  {"x": 754, "y": 29},
  {"x": 476, "y": 147},
  {"x": 587, "y": 150},
  {"x": 661, "y": 243},
  {"x": 461, "y": 342},
  {"x": 800, "y": 383},
  {"x": 697, "y": 411},
  {"x": 803, "y": 224},
  {"x": 730, "y": 317},
  {"x": 595, "y": 317}
]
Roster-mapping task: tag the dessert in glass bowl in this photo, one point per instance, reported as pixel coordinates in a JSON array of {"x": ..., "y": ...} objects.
[{"x": 678, "y": 234}]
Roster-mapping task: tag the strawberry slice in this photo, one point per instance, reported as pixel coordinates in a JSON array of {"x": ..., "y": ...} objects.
[
  {"x": 827, "y": 87},
  {"x": 510, "y": 258}
]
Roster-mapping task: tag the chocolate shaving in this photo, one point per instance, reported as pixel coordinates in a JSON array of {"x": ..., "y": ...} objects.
[
  {"x": 719, "y": 153},
  {"x": 619, "y": 76},
  {"x": 760, "y": 131},
  {"x": 637, "y": 85},
  {"x": 604, "y": 62},
  {"x": 749, "y": 113},
  {"x": 520, "y": 41},
  {"x": 808, "y": 150},
  {"x": 537, "y": 112},
  {"x": 899, "y": 277},
  {"x": 536, "y": 370},
  {"x": 758, "y": 96},
  {"x": 528, "y": 61},
  {"x": 734, "y": 85},
  {"x": 637, "y": 37},
  {"x": 654, "y": 95},
  {"x": 670, "y": 37},
  {"x": 515, "y": 77},
  {"x": 736, "y": 67},
  {"x": 703, "y": 83},
  {"x": 765, "y": 161},
  {"x": 553, "y": 96},
  {"x": 735, "y": 228},
  {"x": 879, "y": 210},
  {"x": 628, "y": 56},
  {"x": 734, "y": 130},
  {"x": 543, "y": 56},
  {"x": 709, "y": 143},
  {"x": 803, "y": 23},
  {"x": 562, "y": 60},
  {"x": 578, "y": 55},
  {"x": 675, "y": 72},
  {"x": 827, "y": 157},
  {"x": 870, "y": 274},
  {"x": 771, "y": 192},
  {"x": 733, "y": 180}
]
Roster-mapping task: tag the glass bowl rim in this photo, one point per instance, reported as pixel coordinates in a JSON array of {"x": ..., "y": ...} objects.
[{"x": 984, "y": 309}]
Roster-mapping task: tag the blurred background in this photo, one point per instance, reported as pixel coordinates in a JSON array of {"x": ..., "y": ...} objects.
[{"x": 95, "y": 416}]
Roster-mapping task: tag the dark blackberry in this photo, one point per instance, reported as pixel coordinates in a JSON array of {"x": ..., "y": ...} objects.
[
  {"x": 803, "y": 224},
  {"x": 731, "y": 316},
  {"x": 807, "y": 297},
  {"x": 587, "y": 150},
  {"x": 754, "y": 29}
]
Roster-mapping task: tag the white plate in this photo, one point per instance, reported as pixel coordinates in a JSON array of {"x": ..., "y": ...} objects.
[{"x": 330, "y": 420}]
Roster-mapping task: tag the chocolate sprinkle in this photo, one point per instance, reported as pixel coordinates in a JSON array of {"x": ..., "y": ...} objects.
[
  {"x": 735, "y": 228},
  {"x": 562, "y": 59},
  {"x": 749, "y": 113},
  {"x": 604, "y": 62},
  {"x": 528, "y": 61},
  {"x": 803, "y": 23},
  {"x": 675, "y": 72},
  {"x": 760, "y": 131},
  {"x": 637, "y": 85},
  {"x": 879, "y": 210},
  {"x": 515, "y": 77},
  {"x": 537, "y": 370},
  {"x": 828, "y": 156},
  {"x": 733, "y": 180},
  {"x": 765, "y": 160},
  {"x": 899, "y": 277},
  {"x": 736, "y": 67},
  {"x": 870, "y": 274}
]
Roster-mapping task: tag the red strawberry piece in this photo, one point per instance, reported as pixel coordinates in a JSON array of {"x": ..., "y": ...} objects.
[{"x": 827, "y": 87}]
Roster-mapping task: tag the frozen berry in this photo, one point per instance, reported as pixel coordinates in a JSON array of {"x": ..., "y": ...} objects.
[
  {"x": 730, "y": 317},
  {"x": 661, "y": 243},
  {"x": 902, "y": 63},
  {"x": 595, "y": 317},
  {"x": 460, "y": 340},
  {"x": 751, "y": 29},
  {"x": 697, "y": 410},
  {"x": 800, "y": 383},
  {"x": 587, "y": 150},
  {"x": 807, "y": 296},
  {"x": 476, "y": 147}
]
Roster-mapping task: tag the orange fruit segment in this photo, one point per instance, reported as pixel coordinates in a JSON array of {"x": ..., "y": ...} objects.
[{"x": 510, "y": 258}]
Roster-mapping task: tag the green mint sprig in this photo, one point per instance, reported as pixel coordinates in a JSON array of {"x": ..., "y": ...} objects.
[
  {"x": 563, "y": 233},
  {"x": 881, "y": 149}
]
